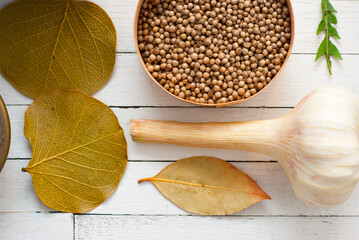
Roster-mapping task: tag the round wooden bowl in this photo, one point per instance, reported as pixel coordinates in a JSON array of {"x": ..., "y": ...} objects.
[
  {"x": 5, "y": 133},
  {"x": 135, "y": 26}
]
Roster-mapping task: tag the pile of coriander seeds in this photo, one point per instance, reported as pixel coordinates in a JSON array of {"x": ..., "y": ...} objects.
[{"x": 214, "y": 51}]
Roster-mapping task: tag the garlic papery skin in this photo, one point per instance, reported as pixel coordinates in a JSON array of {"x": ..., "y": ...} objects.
[
  {"x": 316, "y": 143},
  {"x": 325, "y": 147}
]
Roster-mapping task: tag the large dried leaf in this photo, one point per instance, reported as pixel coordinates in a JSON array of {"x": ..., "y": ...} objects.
[
  {"x": 79, "y": 150},
  {"x": 56, "y": 44},
  {"x": 207, "y": 186}
]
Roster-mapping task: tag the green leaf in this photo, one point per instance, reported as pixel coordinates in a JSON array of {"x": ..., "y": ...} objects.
[
  {"x": 321, "y": 49},
  {"x": 333, "y": 51},
  {"x": 332, "y": 31},
  {"x": 321, "y": 27},
  {"x": 329, "y": 62},
  {"x": 332, "y": 18},
  {"x": 323, "y": 4},
  {"x": 327, "y": 6},
  {"x": 326, "y": 47}
]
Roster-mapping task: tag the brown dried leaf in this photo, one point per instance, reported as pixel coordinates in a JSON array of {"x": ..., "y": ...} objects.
[
  {"x": 5, "y": 133},
  {"x": 56, "y": 44},
  {"x": 207, "y": 186},
  {"x": 79, "y": 150}
]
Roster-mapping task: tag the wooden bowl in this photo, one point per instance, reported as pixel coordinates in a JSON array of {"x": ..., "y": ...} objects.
[
  {"x": 135, "y": 26},
  {"x": 5, "y": 133}
]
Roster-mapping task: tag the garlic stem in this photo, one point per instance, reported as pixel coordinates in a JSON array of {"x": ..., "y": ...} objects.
[{"x": 255, "y": 136}]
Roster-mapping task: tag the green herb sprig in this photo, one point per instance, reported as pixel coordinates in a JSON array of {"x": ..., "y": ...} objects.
[{"x": 327, "y": 47}]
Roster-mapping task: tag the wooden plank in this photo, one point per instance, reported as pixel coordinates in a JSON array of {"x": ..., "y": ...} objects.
[
  {"x": 179, "y": 227},
  {"x": 142, "y": 212},
  {"x": 30, "y": 226},
  {"x": 134, "y": 198},
  {"x": 20, "y": 148},
  {"x": 18, "y": 195},
  {"x": 130, "y": 86},
  {"x": 307, "y": 15}
]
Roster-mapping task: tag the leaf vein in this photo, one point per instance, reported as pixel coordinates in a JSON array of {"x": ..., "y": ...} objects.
[
  {"x": 154, "y": 179},
  {"x": 71, "y": 150}
]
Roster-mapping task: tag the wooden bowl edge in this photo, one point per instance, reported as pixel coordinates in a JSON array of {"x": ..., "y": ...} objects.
[{"x": 135, "y": 26}]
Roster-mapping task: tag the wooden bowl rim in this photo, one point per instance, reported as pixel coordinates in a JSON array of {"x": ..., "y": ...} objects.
[
  {"x": 4, "y": 150},
  {"x": 292, "y": 21}
]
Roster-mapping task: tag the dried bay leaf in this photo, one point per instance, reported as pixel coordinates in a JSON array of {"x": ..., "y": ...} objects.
[
  {"x": 207, "y": 186},
  {"x": 56, "y": 44},
  {"x": 79, "y": 150}
]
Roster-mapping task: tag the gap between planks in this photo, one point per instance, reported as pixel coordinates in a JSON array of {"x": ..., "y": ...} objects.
[
  {"x": 210, "y": 216},
  {"x": 183, "y": 215},
  {"x": 168, "y": 161},
  {"x": 19, "y": 195},
  {"x": 298, "y": 53},
  {"x": 178, "y": 107}
]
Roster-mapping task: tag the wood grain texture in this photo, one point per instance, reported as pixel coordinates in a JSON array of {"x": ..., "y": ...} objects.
[
  {"x": 30, "y": 226},
  {"x": 129, "y": 85},
  {"x": 131, "y": 198},
  {"x": 142, "y": 212},
  {"x": 307, "y": 16},
  {"x": 213, "y": 228}
]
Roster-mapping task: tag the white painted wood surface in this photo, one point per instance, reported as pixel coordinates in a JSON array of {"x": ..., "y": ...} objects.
[
  {"x": 132, "y": 198},
  {"x": 129, "y": 86},
  {"x": 214, "y": 228},
  {"x": 30, "y": 226},
  {"x": 139, "y": 211}
]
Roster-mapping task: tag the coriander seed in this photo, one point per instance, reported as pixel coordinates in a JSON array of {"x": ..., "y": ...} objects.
[{"x": 208, "y": 51}]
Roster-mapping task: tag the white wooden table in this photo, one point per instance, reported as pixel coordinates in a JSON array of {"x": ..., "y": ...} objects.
[{"x": 140, "y": 211}]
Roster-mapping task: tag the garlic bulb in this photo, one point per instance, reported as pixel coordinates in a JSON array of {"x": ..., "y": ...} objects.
[{"x": 316, "y": 143}]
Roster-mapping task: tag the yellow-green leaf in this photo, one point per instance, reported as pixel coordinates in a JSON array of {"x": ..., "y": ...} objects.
[
  {"x": 79, "y": 150},
  {"x": 207, "y": 186},
  {"x": 56, "y": 44}
]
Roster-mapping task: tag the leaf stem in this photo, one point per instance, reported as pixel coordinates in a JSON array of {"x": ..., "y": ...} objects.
[
  {"x": 327, "y": 38},
  {"x": 144, "y": 180}
]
